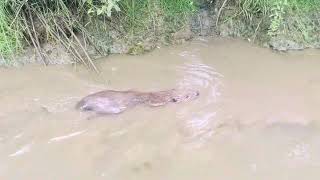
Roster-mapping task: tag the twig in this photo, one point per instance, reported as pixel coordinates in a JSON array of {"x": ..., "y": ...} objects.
[
  {"x": 70, "y": 46},
  {"x": 36, "y": 37},
  {"x": 256, "y": 30},
  {"x": 57, "y": 38},
  {"x": 84, "y": 50},
  {"x": 30, "y": 34},
  {"x": 17, "y": 14},
  {"x": 220, "y": 10},
  {"x": 90, "y": 40}
]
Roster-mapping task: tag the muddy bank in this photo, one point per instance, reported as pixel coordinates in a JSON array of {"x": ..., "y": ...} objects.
[
  {"x": 114, "y": 42},
  {"x": 279, "y": 25},
  {"x": 204, "y": 23}
]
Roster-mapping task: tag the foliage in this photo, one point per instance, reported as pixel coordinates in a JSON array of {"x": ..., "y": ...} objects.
[
  {"x": 102, "y": 7},
  {"x": 34, "y": 22},
  {"x": 143, "y": 23},
  {"x": 294, "y": 19},
  {"x": 10, "y": 38},
  {"x": 177, "y": 11}
]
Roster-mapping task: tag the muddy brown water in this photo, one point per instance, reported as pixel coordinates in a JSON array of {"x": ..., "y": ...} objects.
[{"x": 257, "y": 117}]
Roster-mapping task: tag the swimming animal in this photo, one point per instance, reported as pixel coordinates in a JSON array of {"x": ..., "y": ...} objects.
[{"x": 115, "y": 102}]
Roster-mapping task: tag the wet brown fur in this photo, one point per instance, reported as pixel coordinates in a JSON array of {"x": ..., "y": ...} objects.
[{"x": 114, "y": 102}]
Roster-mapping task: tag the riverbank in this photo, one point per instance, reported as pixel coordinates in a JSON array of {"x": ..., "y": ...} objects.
[
  {"x": 278, "y": 24},
  {"x": 58, "y": 35},
  {"x": 32, "y": 31}
]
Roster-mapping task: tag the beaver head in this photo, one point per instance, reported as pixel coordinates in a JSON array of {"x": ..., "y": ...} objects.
[{"x": 184, "y": 95}]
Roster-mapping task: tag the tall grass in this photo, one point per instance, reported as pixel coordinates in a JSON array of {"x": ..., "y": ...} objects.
[
  {"x": 177, "y": 12},
  {"x": 34, "y": 22},
  {"x": 141, "y": 24},
  {"x": 10, "y": 37},
  {"x": 155, "y": 15},
  {"x": 295, "y": 19}
]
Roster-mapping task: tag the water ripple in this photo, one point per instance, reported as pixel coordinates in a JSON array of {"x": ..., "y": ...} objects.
[{"x": 199, "y": 122}]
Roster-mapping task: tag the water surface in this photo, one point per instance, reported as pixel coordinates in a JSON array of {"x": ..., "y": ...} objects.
[{"x": 257, "y": 117}]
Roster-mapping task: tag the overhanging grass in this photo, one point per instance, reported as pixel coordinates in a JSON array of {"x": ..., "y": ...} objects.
[
  {"x": 146, "y": 21},
  {"x": 297, "y": 20},
  {"x": 36, "y": 22},
  {"x": 10, "y": 38},
  {"x": 177, "y": 12}
]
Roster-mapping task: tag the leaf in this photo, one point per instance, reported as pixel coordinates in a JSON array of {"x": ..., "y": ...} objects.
[
  {"x": 90, "y": 11},
  {"x": 116, "y": 7},
  {"x": 99, "y": 12}
]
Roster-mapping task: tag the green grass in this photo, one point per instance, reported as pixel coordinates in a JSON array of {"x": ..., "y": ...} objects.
[
  {"x": 139, "y": 16},
  {"x": 297, "y": 20},
  {"x": 11, "y": 39},
  {"x": 177, "y": 12},
  {"x": 34, "y": 22},
  {"x": 141, "y": 23}
]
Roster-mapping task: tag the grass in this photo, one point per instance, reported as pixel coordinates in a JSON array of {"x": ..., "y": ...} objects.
[
  {"x": 35, "y": 22},
  {"x": 297, "y": 20},
  {"x": 177, "y": 12},
  {"x": 10, "y": 37},
  {"x": 137, "y": 24},
  {"x": 141, "y": 24}
]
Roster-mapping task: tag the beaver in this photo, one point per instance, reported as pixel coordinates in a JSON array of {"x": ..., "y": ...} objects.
[{"x": 115, "y": 102}]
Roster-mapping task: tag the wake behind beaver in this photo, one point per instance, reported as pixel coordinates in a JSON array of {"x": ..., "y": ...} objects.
[{"x": 115, "y": 102}]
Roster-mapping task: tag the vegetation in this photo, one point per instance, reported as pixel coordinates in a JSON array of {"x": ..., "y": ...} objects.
[
  {"x": 10, "y": 37},
  {"x": 295, "y": 20},
  {"x": 77, "y": 23},
  {"x": 134, "y": 26}
]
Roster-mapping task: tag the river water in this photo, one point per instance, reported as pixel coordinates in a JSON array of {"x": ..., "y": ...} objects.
[{"x": 257, "y": 117}]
